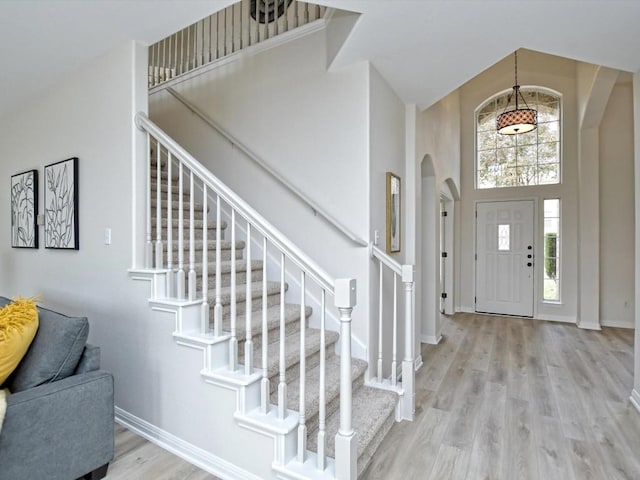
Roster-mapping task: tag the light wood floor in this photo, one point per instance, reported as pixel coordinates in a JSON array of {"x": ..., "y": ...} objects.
[
  {"x": 498, "y": 398},
  {"x": 508, "y": 398},
  {"x": 138, "y": 459}
]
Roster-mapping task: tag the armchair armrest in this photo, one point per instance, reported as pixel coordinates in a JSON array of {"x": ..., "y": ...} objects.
[{"x": 60, "y": 430}]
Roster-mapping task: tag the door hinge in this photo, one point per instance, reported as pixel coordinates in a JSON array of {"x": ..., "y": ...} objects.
[
  {"x": 443, "y": 295},
  {"x": 475, "y": 299},
  {"x": 475, "y": 257},
  {"x": 444, "y": 254},
  {"x": 444, "y": 213}
]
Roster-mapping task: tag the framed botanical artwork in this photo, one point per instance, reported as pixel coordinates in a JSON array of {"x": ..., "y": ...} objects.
[
  {"x": 24, "y": 209},
  {"x": 61, "y": 205},
  {"x": 393, "y": 213}
]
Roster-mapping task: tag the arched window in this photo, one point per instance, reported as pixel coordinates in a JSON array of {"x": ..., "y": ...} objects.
[{"x": 531, "y": 158}]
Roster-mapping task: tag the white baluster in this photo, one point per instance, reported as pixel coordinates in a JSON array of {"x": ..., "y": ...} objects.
[
  {"x": 408, "y": 370},
  {"x": 182, "y": 53},
  {"x": 322, "y": 412},
  {"x": 159, "y": 246},
  {"x": 224, "y": 32},
  {"x": 346, "y": 444},
  {"x": 188, "y": 47},
  {"x": 302, "y": 427},
  {"x": 233, "y": 344},
  {"x": 266, "y": 388},
  {"x": 195, "y": 45},
  {"x": 148, "y": 251},
  {"x": 205, "y": 262},
  {"x": 181, "y": 277},
  {"x": 175, "y": 56},
  {"x": 233, "y": 28},
  {"x": 192, "y": 236},
  {"x": 394, "y": 361},
  {"x": 282, "y": 385},
  {"x": 380, "y": 315},
  {"x": 257, "y": 39},
  {"x": 217, "y": 310},
  {"x": 169, "y": 229},
  {"x": 248, "y": 344}
]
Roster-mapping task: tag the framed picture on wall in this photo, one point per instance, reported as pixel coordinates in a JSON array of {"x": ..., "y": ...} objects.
[
  {"x": 61, "y": 205},
  {"x": 393, "y": 213},
  {"x": 24, "y": 209}
]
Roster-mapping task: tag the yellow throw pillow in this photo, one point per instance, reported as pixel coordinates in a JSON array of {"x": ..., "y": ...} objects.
[{"x": 18, "y": 327}]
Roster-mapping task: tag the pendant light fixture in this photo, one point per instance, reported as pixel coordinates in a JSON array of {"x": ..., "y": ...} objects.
[{"x": 518, "y": 120}]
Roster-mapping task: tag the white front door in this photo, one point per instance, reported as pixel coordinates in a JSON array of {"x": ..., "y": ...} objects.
[{"x": 504, "y": 257}]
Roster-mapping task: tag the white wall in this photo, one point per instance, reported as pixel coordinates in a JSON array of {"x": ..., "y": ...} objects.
[
  {"x": 617, "y": 223},
  {"x": 310, "y": 125},
  {"x": 438, "y": 163},
  {"x": 547, "y": 71},
  {"x": 387, "y": 154},
  {"x": 90, "y": 115}
]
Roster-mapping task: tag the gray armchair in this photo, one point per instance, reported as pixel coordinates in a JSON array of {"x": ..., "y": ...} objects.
[{"x": 59, "y": 419}]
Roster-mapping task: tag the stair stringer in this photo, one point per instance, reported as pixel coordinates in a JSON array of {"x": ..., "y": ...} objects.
[{"x": 214, "y": 371}]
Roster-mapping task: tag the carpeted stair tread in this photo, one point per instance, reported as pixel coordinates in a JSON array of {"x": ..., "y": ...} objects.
[
  {"x": 225, "y": 267},
  {"x": 292, "y": 352},
  {"x": 273, "y": 288},
  {"x": 197, "y": 224},
  {"x": 312, "y": 384},
  {"x": 175, "y": 205},
  {"x": 373, "y": 412},
  {"x": 198, "y": 244},
  {"x": 291, "y": 319}
]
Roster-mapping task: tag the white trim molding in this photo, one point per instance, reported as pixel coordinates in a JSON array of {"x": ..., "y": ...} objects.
[
  {"x": 635, "y": 399},
  {"x": 192, "y": 454},
  {"x": 430, "y": 339}
]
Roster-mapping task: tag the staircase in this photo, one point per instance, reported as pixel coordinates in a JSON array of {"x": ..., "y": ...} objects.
[{"x": 255, "y": 338}]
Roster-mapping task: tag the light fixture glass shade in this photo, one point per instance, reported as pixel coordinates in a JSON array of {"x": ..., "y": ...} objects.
[{"x": 513, "y": 122}]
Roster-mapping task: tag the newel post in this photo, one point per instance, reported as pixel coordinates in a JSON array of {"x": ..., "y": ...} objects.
[
  {"x": 346, "y": 443},
  {"x": 408, "y": 370}
]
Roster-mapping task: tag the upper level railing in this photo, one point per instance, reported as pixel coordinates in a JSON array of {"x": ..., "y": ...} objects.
[
  {"x": 227, "y": 31},
  {"x": 183, "y": 254},
  {"x": 405, "y": 385}
]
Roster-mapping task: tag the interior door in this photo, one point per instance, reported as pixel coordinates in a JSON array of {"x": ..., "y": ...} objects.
[{"x": 504, "y": 257}]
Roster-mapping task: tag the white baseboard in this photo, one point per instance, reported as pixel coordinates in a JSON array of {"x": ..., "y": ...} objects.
[
  {"x": 417, "y": 363},
  {"x": 466, "y": 310},
  {"x": 617, "y": 324},
  {"x": 192, "y": 454},
  {"x": 590, "y": 326},
  {"x": 556, "y": 318},
  {"x": 430, "y": 339},
  {"x": 635, "y": 399}
]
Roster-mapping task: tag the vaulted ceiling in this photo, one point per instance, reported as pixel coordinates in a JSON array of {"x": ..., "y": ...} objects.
[{"x": 424, "y": 48}]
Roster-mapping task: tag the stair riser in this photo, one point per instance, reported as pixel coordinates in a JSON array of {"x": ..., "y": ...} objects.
[
  {"x": 241, "y": 306},
  {"x": 197, "y": 214},
  {"x": 225, "y": 255},
  {"x": 211, "y": 233},
  {"x": 225, "y": 279},
  {"x": 175, "y": 205},
  {"x": 293, "y": 371},
  {"x": 292, "y": 328},
  {"x": 175, "y": 192}
]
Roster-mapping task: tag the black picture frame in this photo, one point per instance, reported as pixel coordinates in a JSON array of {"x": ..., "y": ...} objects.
[
  {"x": 24, "y": 209},
  {"x": 61, "y": 230}
]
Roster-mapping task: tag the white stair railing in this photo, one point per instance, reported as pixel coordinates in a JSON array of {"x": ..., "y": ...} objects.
[
  {"x": 314, "y": 282},
  {"x": 405, "y": 385},
  {"x": 227, "y": 31}
]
